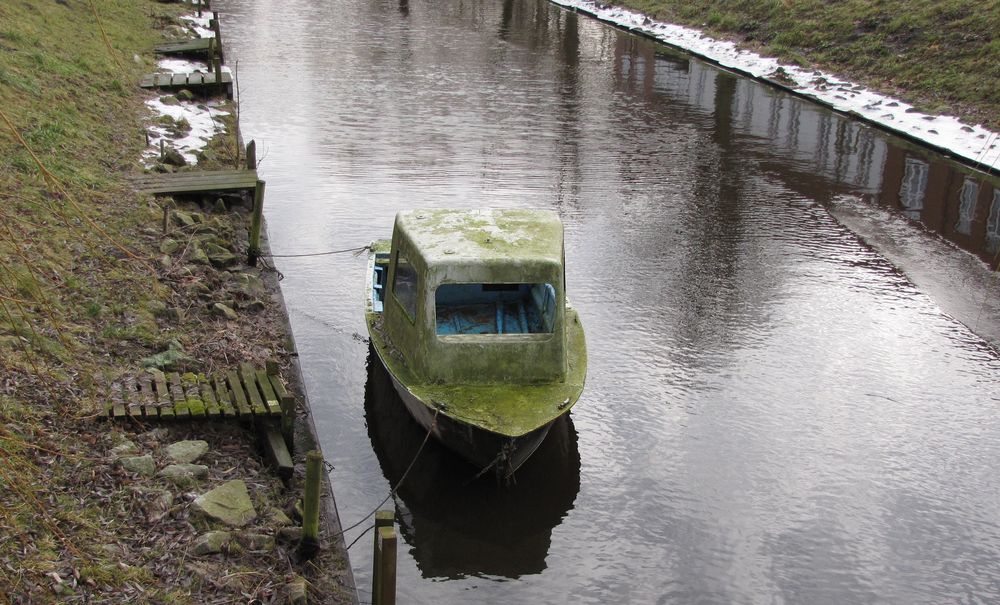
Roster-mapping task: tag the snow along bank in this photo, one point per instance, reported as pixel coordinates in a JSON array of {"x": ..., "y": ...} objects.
[{"x": 945, "y": 133}]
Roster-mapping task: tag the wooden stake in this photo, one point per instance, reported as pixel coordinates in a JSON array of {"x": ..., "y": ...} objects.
[
  {"x": 255, "y": 224},
  {"x": 252, "y": 155},
  {"x": 310, "y": 505},
  {"x": 383, "y": 518},
  {"x": 384, "y": 592}
]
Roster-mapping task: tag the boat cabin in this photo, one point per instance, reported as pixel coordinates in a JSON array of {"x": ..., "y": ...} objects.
[{"x": 475, "y": 296}]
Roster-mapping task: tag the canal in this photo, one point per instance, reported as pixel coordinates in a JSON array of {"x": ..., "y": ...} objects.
[{"x": 782, "y": 404}]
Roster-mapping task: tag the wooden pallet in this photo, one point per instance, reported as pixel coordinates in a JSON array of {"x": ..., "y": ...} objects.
[
  {"x": 194, "y": 46},
  {"x": 209, "y": 47},
  {"x": 244, "y": 392},
  {"x": 196, "y": 81},
  {"x": 195, "y": 181}
]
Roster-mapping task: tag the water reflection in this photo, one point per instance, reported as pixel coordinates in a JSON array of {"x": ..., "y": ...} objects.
[
  {"x": 773, "y": 413},
  {"x": 458, "y": 525}
]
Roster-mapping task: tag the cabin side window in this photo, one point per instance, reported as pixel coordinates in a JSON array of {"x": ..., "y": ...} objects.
[
  {"x": 495, "y": 309},
  {"x": 404, "y": 285}
]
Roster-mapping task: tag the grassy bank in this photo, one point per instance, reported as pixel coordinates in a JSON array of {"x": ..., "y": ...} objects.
[
  {"x": 941, "y": 55},
  {"x": 91, "y": 284}
]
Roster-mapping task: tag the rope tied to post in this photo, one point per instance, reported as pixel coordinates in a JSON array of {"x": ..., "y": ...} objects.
[{"x": 395, "y": 488}]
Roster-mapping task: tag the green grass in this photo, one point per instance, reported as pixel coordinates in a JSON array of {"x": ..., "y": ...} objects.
[{"x": 941, "y": 55}]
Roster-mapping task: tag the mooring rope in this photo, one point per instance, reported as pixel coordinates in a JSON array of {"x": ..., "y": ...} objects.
[
  {"x": 356, "y": 251},
  {"x": 393, "y": 491}
]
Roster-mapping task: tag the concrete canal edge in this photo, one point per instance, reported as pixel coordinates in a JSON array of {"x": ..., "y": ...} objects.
[
  {"x": 306, "y": 436},
  {"x": 779, "y": 85}
]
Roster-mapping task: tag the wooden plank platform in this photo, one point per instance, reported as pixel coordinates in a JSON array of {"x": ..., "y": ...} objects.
[
  {"x": 154, "y": 395},
  {"x": 194, "y": 46},
  {"x": 195, "y": 82},
  {"x": 195, "y": 181}
]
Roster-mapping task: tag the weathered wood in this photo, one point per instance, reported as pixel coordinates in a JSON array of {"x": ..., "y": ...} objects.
[
  {"x": 207, "y": 396},
  {"x": 270, "y": 398},
  {"x": 217, "y": 29},
  {"x": 147, "y": 396},
  {"x": 117, "y": 401},
  {"x": 177, "y": 395},
  {"x": 222, "y": 396},
  {"x": 192, "y": 395},
  {"x": 131, "y": 396},
  {"x": 196, "y": 181},
  {"x": 278, "y": 452},
  {"x": 384, "y": 593},
  {"x": 163, "y": 398},
  {"x": 310, "y": 504},
  {"x": 252, "y": 157},
  {"x": 256, "y": 220},
  {"x": 194, "y": 46},
  {"x": 249, "y": 377},
  {"x": 239, "y": 394},
  {"x": 287, "y": 403},
  {"x": 383, "y": 518},
  {"x": 221, "y": 80}
]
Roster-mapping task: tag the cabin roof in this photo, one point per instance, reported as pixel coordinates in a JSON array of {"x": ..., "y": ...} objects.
[{"x": 466, "y": 237}]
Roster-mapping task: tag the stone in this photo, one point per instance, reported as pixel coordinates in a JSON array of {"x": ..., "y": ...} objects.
[
  {"x": 185, "y": 95},
  {"x": 169, "y": 246},
  {"x": 296, "y": 591},
  {"x": 170, "y": 100},
  {"x": 157, "y": 501},
  {"x": 229, "y": 504},
  {"x": 211, "y": 542},
  {"x": 184, "y": 219},
  {"x": 289, "y": 535},
  {"x": 278, "y": 517},
  {"x": 187, "y": 451},
  {"x": 220, "y": 206},
  {"x": 198, "y": 255},
  {"x": 220, "y": 257},
  {"x": 184, "y": 475},
  {"x": 224, "y": 311},
  {"x": 166, "y": 360},
  {"x": 172, "y": 157},
  {"x": 174, "y": 313},
  {"x": 165, "y": 262},
  {"x": 156, "y": 307},
  {"x": 124, "y": 448},
  {"x": 255, "y": 306},
  {"x": 249, "y": 285},
  {"x": 155, "y": 435},
  {"x": 142, "y": 465},
  {"x": 257, "y": 541}
]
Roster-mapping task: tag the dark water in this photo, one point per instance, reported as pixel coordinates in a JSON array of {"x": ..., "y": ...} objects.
[{"x": 774, "y": 412}]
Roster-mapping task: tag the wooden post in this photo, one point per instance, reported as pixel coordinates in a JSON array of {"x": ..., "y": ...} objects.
[
  {"x": 217, "y": 28},
  {"x": 162, "y": 150},
  {"x": 255, "y": 224},
  {"x": 217, "y": 69},
  {"x": 252, "y": 155},
  {"x": 384, "y": 590},
  {"x": 310, "y": 505},
  {"x": 383, "y": 518}
]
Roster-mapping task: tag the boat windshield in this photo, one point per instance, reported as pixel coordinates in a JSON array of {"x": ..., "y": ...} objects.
[{"x": 495, "y": 308}]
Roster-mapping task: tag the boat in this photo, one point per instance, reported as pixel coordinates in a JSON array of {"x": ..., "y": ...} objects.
[{"x": 467, "y": 311}]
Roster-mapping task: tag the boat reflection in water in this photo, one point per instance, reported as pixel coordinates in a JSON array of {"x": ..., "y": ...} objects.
[{"x": 469, "y": 525}]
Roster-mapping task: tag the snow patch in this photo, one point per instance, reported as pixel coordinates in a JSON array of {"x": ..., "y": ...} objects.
[
  {"x": 973, "y": 143},
  {"x": 203, "y": 117},
  {"x": 200, "y": 25}
]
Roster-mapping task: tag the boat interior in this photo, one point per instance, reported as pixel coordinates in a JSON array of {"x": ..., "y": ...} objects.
[{"x": 495, "y": 308}]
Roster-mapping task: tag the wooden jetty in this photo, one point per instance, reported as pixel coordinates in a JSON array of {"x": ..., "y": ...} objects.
[
  {"x": 195, "y": 181},
  {"x": 244, "y": 393},
  {"x": 195, "y": 82},
  {"x": 210, "y": 47}
]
